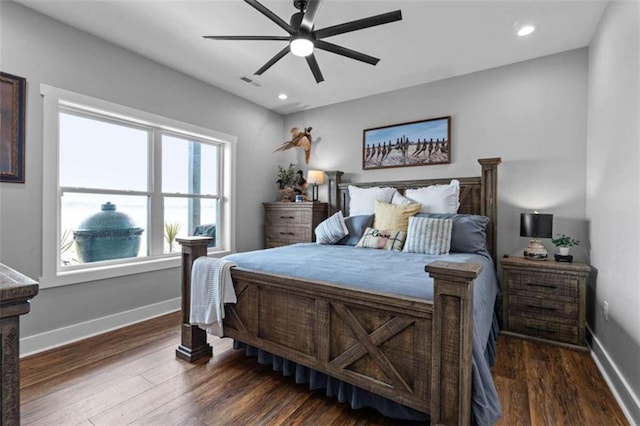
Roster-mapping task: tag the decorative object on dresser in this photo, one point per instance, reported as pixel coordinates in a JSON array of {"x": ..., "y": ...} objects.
[
  {"x": 545, "y": 300},
  {"x": 13, "y": 93},
  {"x": 536, "y": 225},
  {"x": 417, "y": 143},
  {"x": 289, "y": 223},
  {"x": 15, "y": 292},
  {"x": 564, "y": 243},
  {"x": 315, "y": 178},
  {"x": 291, "y": 184}
]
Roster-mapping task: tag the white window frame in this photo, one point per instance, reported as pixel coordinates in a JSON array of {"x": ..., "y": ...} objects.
[{"x": 55, "y": 100}]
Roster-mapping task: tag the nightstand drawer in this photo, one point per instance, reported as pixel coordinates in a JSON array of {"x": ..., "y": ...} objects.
[
  {"x": 548, "y": 285},
  {"x": 288, "y": 217},
  {"x": 564, "y": 332},
  {"x": 543, "y": 308},
  {"x": 290, "y": 234}
]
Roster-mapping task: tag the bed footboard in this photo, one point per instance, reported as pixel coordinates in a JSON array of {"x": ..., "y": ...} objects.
[{"x": 411, "y": 351}]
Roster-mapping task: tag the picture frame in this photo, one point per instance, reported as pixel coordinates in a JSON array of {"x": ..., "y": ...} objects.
[
  {"x": 12, "y": 127},
  {"x": 416, "y": 143}
]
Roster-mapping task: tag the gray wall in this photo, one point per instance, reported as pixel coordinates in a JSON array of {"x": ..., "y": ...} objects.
[
  {"x": 45, "y": 51},
  {"x": 532, "y": 114},
  {"x": 613, "y": 194}
]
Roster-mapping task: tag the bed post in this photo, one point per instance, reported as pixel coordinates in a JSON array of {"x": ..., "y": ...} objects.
[
  {"x": 489, "y": 200},
  {"x": 334, "y": 177},
  {"x": 194, "y": 344},
  {"x": 452, "y": 339}
]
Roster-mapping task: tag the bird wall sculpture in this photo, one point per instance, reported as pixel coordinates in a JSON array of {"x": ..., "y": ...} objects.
[{"x": 299, "y": 139}]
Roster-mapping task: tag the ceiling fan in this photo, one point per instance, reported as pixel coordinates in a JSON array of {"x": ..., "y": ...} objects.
[{"x": 303, "y": 38}]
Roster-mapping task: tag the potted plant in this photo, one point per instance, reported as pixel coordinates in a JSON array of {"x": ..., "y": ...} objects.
[{"x": 563, "y": 242}]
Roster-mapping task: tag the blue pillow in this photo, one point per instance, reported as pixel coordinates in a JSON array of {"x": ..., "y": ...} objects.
[
  {"x": 468, "y": 233},
  {"x": 356, "y": 226}
]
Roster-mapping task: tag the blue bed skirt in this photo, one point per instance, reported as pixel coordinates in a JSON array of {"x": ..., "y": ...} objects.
[{"x": 355, "y": 396}]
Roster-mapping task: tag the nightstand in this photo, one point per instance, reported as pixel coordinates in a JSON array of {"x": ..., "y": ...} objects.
[
  {"x": 545, "y": 300},
  {"x": 290, "y": 223}
]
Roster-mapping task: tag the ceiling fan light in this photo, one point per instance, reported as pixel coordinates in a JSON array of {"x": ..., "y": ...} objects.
[{"x": 301, "y": 46}]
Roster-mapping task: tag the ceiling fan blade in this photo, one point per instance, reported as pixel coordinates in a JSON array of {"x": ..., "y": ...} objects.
[
  {"x": 284, "y": 38},
  {"x": 359, "y": 24},
  {"x": 269, "y": 14},
  {"x": 273, "y": 60},
  {"x": 340, "y": 50},
  {"x": 315, "y": 69},
  {"x": 310, "y": 14}
]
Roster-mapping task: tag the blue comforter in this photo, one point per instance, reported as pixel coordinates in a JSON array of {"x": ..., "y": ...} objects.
[{"x": 395, "y": 273}]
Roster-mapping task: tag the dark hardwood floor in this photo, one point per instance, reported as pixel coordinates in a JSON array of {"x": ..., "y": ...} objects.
[{"x": 131, "y": 376}]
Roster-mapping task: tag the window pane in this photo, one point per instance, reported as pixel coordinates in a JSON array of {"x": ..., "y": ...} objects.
[
  {"x": 184, "y": 217},
  {"x": 189, "y": 167},
  {"x": 100, "y": 154},
  {"x": 110, "y": 235}
]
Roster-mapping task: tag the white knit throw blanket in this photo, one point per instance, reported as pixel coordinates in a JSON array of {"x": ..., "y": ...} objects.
[{"x": 211, "y": 288}]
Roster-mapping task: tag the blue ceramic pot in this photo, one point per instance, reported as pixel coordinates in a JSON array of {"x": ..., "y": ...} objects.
[{"x": 107, "y": 235}]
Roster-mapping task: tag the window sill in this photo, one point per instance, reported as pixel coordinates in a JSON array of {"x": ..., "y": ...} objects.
[{"x": 84, "y": 275}]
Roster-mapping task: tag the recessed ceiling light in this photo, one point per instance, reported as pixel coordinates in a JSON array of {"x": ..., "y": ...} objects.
[
  {"x": 525, "y": 30},
  {"x": 282, "y": 96}
]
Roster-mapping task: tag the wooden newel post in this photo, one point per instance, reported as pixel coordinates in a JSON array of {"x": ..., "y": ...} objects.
[
  {"x": 452, "y": 341},
  {"x": 194, "y": 344}
]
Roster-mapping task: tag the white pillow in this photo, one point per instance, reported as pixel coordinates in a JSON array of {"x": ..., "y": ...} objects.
[
  {"x": 363, "y": 200},
  {"x": 331, "y": 230},
  {"x": 399, "y": 200},
  {"x": 437, "y": 198}
]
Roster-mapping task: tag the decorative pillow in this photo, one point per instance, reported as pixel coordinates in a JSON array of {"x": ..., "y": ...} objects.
[
  {"x": 394, "y": 217},
  {"x": 437, "y": 198},
  {"x": 382, "y": 239},
  {"x": 428, "y": 235},
  {"x": 356, "y": 226},
  {"x": 363, "y": 200},
  {"x": 331, "y": 230},
  {"x": 468, "y": 234}
]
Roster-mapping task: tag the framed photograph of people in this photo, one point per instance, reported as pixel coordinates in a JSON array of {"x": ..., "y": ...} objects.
[{"x": 417, "y": 143}]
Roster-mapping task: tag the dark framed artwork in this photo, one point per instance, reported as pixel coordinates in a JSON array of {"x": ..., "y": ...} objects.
[
  {"x": 417, "y": 143},
  {"x": 12, "y": 116}
]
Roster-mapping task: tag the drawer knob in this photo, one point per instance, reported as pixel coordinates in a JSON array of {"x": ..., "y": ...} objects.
[
  {"x": 542, "y": 285},
  {"x": 548, "y": 330},
  {"x": 546, "y": 308}
]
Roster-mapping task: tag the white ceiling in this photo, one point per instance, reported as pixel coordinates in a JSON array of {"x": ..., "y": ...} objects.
[{"x": 434, "y": 40}]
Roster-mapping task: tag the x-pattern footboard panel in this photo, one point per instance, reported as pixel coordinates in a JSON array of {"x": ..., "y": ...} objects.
[{"x": 376, "y": 346}]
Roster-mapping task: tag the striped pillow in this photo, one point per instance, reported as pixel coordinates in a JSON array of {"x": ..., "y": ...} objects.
[
  {"x": 428, "y": 236},
  {"x": 331, "y": 230}
]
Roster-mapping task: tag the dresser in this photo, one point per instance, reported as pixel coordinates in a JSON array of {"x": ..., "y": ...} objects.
[
  {"x": 545, "y": 300},
  {"x": 15, "y": 292},
  {"x": 288, "y": 223}
]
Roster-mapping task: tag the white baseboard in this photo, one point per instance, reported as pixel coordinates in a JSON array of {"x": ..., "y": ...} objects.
[
  {"x": 65, "y": 335},
  {"x": 627, "y": 400}
]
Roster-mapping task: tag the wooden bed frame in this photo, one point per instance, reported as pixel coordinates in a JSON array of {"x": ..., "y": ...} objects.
[{"x": 412, "y": 351}]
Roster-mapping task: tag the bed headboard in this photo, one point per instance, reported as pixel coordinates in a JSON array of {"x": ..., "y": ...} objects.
[{"x": 478, "y": 194}]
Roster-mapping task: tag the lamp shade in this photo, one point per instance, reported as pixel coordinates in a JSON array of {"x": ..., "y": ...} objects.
[
  {"x": 536, "y": 225},
  {"x": 315, "y": 177}
]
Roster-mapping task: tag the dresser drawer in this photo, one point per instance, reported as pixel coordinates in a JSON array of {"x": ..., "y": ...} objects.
[
  {"x": 563, "y": 332},
  {"x": 543, "y": 284},
  {"x": 289, "y": 234},
  {"x": 288, "y": 217},
  {"x": 544, "y": 308}
]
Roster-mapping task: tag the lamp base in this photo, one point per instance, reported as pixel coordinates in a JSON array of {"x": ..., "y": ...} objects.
[{"x": 535, "y": 251}]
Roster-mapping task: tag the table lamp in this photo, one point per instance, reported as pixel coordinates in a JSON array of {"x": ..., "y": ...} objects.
[
  {"x": 536, "y": 225},
  {"x": 315, "y": 178}
]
